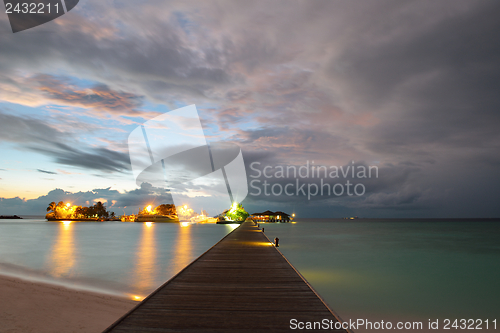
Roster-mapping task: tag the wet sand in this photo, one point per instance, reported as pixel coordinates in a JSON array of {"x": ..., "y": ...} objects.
[{"x": 37, "y": 307}]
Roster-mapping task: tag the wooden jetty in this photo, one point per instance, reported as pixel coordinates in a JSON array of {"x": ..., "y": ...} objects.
[{"x": 242, "y": 284}]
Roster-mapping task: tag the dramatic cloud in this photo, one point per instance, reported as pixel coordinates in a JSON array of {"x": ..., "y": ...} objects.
[
  {"x": 94, "y": 158},
  {"x": 36, "y": 136},
  {"x": 45, "y": 171},
  {"x": 410, "y": 87},
  {"x": 26, "y": 129},
  {"x": 99, "y": 97},
  {"x": 119, "y": 202}
]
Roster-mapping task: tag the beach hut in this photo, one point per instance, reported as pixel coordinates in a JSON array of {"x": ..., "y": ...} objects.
[
  {"x": 282, "y": 217},
  {"x": 261, "y": 217},
  {"x": 269, "y": 216}
]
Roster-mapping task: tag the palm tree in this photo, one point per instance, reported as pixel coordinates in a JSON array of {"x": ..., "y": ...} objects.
[
  {"x": 51, "y": 210},
  {"x": 52, "y": 207},
  {"x": 100, "y": 210}
]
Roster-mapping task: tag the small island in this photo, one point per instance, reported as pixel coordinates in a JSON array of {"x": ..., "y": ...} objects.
[
  {"x": 171, "y": 213},
  {"x": 10, "y": 217},
  {"x": 164, "y": 213},
  {"x": 236, "y": 214},
  {"x": 65, "y": 211}
]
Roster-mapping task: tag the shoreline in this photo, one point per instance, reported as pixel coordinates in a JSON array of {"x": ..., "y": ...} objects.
[{"x": 42, "y": 307}]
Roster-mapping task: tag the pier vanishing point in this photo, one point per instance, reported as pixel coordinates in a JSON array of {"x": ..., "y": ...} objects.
[{"x": 242, "y": 284}]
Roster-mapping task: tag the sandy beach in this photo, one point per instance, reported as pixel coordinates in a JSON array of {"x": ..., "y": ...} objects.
[{"x": 37, "y": 307}]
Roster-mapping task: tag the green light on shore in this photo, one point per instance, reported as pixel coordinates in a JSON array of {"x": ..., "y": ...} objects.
[{"x": 237, "y": 212}]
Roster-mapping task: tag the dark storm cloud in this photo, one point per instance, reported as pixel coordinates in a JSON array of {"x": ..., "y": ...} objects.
[
  {"x": 45, "y": 171},
  {"x": 35, "y": 135},
  {"x": 145, "y": 64},
  {"x": 459, "y": 47},
  {"x": 446, "y": 78},
  {"x": 26, "y": 129},
  {"x": 101, "y": 159},
  {"x": 295, "y": 144}
]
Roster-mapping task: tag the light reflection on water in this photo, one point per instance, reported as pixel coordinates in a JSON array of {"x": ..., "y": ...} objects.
[
  {"x": 62, "y": 257},
  {"x": 145, "y": 265},
  {"x": 128, "y": 259},
  {"x": 183, "y": 248}
]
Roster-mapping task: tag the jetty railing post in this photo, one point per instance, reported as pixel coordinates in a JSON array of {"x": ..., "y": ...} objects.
[{"x": 276, "y": 242}]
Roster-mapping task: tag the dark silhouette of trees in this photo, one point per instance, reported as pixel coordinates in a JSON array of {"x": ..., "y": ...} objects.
[
  {"x": 54, "y": 209},
  {"x": 51, "y": 210},
  {"x": 165, "y": 209},
  {"x": 100, "y": 210},
  {"x": 96, "y": 211}
]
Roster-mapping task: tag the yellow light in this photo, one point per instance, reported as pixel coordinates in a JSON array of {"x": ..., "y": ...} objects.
[
  {"x": 184, "y": 224},
  {"x": 149, "y": 224},
  {"x": 293, "y": 214},
  {"x": 148, "y": 208},
  {"x": 185, "y": 206},
  {"x": 68, "y": 204},
  {"x": 137, "y": 298},
  {"x": 66, "y": 222},
  {"x": 259, "y": 243}
]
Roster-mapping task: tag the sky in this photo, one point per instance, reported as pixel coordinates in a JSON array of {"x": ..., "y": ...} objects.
[{"x": 409, "y": 89}]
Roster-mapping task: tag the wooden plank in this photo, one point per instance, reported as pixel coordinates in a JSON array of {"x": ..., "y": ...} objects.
[{"x": 242, "y": 284}]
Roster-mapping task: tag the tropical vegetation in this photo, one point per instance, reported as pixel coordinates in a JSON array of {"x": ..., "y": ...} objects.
[
  {"x": 237, "y": 212},
  {"x": 63, "y": 210}
]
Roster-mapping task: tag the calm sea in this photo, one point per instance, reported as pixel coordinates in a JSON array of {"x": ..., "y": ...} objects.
[
  {"x": 376, "y": 269},
  {"x": 124, "y": 259},
  {"x": 398, "y": 269}
]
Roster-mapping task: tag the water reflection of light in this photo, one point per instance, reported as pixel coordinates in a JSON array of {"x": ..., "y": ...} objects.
[
  {"x": 145, "y": 267},
  {"x": 62, "y": 257},
  {"x": 183, "y": 248},
  {"x": 233, "y": 225},
  {"x": 184, "y": 224},
  {"x": 135, "y": 297}
]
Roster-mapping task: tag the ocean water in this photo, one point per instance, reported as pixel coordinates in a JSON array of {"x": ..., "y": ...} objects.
[
  {"x": 373, "y": 269},
  {"x": 396, "y": 269},
  {"x": 124, "y": 259}
]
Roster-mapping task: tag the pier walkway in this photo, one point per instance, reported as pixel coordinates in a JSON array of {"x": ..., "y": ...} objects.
[{"x": 242, "y": 284}]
